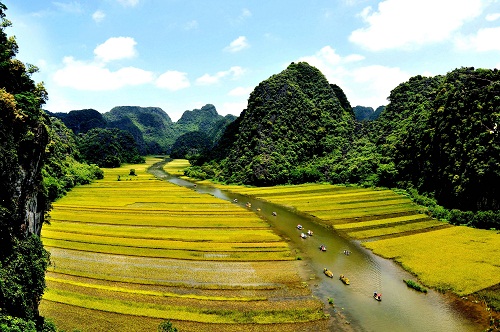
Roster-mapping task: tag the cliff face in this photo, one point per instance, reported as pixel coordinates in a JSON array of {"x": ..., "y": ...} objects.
[{"x": 23, "y": 142}]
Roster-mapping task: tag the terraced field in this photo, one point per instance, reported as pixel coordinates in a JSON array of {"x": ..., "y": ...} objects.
[{"x": 131, "y": 251}]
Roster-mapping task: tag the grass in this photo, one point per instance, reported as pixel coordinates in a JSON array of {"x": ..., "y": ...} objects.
[{"x": 415, "y": 286}]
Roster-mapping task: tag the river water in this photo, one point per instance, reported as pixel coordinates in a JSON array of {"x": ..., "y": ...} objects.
[{"x": 402, "y": 308}]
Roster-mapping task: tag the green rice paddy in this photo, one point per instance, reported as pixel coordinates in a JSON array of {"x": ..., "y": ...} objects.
[{"x": 149, "y": 250}]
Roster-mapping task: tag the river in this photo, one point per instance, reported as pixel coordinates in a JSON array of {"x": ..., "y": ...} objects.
[{"x": 402, "y": 308}]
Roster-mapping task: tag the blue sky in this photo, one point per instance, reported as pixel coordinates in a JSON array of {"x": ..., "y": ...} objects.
[{"x": 182, "y": 54}]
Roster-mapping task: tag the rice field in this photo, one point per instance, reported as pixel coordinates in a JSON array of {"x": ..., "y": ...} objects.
[
  {"x": 131, "y": 248},
  {"x": 448, "y": 258}
]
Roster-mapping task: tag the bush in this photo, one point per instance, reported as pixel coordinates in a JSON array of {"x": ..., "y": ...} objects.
[{"x": 166, "y": 326}]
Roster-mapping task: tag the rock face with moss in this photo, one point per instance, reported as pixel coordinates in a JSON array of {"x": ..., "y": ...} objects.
[{"x": 292, "y": 118}]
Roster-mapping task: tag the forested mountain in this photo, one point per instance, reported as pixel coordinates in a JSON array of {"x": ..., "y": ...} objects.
[
  {"x": 442, "y": 133},
  {"x": 292, "y": 118},
  {"x": 152, "y": 129},
  {"x": 81, "y": 121},
  {"x": 363, "y": 113}
]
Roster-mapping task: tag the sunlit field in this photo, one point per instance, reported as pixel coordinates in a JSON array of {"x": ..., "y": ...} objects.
[
  {"x": 130, "y": 248},
  {"x": 459, "y": 259}
]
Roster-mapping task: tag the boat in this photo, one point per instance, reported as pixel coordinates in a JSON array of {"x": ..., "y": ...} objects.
[
  {"x": 299, "y": 226},
  {"x": 328, "y": 273},
  {"x": 274, "y": 214},
  {"x": 309, "y": 232},
  {"x": 322, "y": 247},
  {"x": 377, "y": 296},
  {"x": 248, "y": 205},
  {"x": 344, "y": 279},
  {"x": 302, "y": 235}
]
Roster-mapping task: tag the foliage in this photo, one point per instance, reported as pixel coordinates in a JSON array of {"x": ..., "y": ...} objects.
[
  {"x": 108, "y": 147},
  {"x": 61, "y": 170},
  {"x": 166, "y": 326},
  {"x": 190, "y": 145},
  {"x": 22, "y": 278}
]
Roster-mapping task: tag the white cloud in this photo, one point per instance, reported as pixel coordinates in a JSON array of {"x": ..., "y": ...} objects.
[
  {"x": 191, "y": 25},
  {"x": 240, "y": 91},
  {"x": 116, "y": 48},
  {"x": 237, "y": 45},
  {"x": 173, "y": 80},
  {"x": 232, "y": 108},
  {"x": 374, "y": 84},
  {"x": 484, "y": 40},
  {"x": 233, "y": 73},
  {"x": 70, "y": 7},
  {"x": 95, "y": 77},
  {"x": 98, "y": 16},
  {"x": 128, "y": 3},
  {"x": 412, "y": 23},
  {"x": 492, "y": 17},
  {"x": 363, "y": 85}
]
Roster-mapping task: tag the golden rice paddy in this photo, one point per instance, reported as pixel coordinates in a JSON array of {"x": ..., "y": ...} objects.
[{"x": 145, "y": 250}]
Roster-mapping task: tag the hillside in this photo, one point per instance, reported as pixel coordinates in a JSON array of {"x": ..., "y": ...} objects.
[{"x": 292, "y": 118}]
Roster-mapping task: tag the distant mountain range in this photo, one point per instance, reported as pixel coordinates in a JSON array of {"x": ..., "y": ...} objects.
[{"x": 151, "y": 127}]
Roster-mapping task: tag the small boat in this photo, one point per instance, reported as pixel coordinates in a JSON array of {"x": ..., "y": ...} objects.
[
  {"x": 235, "y": 200},
  {"x": 299, "y": 226},
  {"x": 377, "y": 296},
  {"x": 344, "y": 279},
  {"x": 275, "y": 214},
  {"x": 347, "y": 252},
  {"x": 258, "y": 209},
  {"x": 248, "y": 205},
  {"x": 309, "y": 232},
  {"x": 322, "y": 247},
  {"x": 302, "y": 235},
  {"x": 327, "y": 272}
]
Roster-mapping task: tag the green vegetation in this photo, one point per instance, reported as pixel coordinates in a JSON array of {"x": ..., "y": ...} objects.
[
  {"x": 108, "y": 147},
  {"x": 415, "y": 286},
  {"x": 166, "y": 326},
  {"x": 62, "y": 170}
]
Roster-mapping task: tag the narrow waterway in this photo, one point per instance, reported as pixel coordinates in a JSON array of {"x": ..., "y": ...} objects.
[{"x": 402, "y": 309}]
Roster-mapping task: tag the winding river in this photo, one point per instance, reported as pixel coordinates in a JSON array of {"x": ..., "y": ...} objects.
[{"x": 402, "y": 309}]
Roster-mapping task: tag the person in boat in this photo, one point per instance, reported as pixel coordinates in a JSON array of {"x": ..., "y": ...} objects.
[
  {"x": 299, "y": 226},
  {"x": 309, "y": 232}
]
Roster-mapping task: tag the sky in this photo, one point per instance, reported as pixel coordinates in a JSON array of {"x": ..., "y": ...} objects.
[{"x": 182, "y": 54}]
